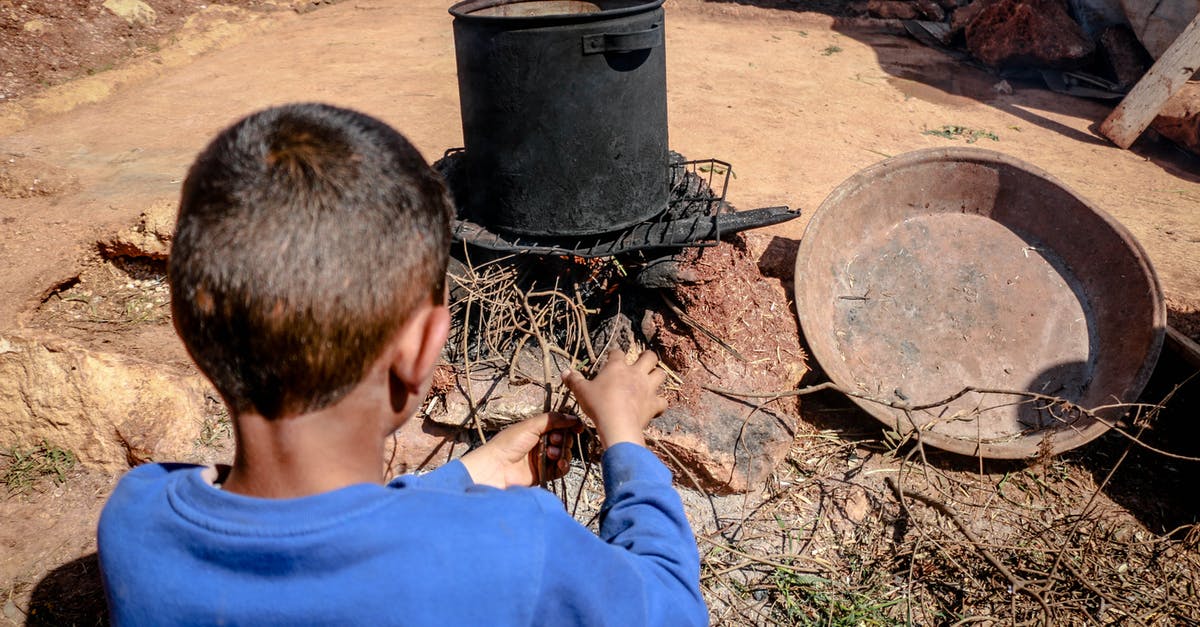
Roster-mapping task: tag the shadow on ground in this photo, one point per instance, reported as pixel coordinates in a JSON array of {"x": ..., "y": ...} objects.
[
  {"x": 1159, "y": 490},
  {"x": 71, "y": 594}
]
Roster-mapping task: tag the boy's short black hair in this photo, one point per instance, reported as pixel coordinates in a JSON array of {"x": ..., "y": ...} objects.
[{"x": 306, "y": 236}]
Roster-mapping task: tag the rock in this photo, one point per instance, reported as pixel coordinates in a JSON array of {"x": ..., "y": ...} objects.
[
  {"x": 422, "y": 444},
  {"x": 931, "y": 10},
  {"x": 1028, "y": 33},
  {"x": 1124, "y": 55},
  {"x": 34, "y": 26},
  {"x": 304, "y": 6},
  {"x": 778, "y": 259},
  {"x": 13, "y": 613},
  {"x": 111, "y": 411},
  {"x": 1179, "y": 119},
  {"x": 721, "y": 444},
  {"x": 1094, "y": 16},
  {"x": 149, "y": 238},
  {"x": 750, "y": 343},
  {"x": 498, "y": 401},
  {"x": 133, "y": 11},
  {"x": 853, "y": 502},
  {"x": 893, "y": 9},
  {"x": 1003, "y": 88},
  {"x": 665, "y": 273},
  {"x": 714, "y": 441},
  {"x": 651, "y": 321},
  {"x": 1157, "y": 23},
  {"x": 963, "y": 16},
  {"x": 614, "y": 332}
]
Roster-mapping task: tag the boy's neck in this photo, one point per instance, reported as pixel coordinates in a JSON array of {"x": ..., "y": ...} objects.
[{"x": 310, "y": 453}]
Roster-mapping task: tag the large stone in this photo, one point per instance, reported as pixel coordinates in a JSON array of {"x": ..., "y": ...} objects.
[
  {"x": 893, "y": 9},
  {"x": 496, "y": 401},
  {"x": 1179, "y": 119},
  {"x": 1094, "y": 16},
  {"x": 111, "y": 411},
  {"x": 1125, "y": 56},
  {"x": 421, "y": 444},
  {"x": 720, "y": 445},
  {"x": 1157, "y": 23},
  {"x": 749, "y": 346},
  {"x": 1028, "y": 33},
  {"x": 150, "y": 237},
  {"x": 931, "y": 10},
  {"x": 132, "y": 11},
  {"x": 962, "y": 17},
  {"x": 492, "y": 396}
]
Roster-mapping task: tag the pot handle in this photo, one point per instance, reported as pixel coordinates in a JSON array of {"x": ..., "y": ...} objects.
[{"x": 624, "y": 42}]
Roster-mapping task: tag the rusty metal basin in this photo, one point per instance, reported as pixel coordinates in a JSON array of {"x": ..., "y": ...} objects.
[{"x": 944, "y": 269}]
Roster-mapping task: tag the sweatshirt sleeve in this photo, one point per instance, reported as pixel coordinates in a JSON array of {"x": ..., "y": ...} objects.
[{"x": 643, "y": 569}]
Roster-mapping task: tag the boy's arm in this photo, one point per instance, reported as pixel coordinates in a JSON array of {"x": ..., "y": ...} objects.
[
  {"x": 505, "y": 460},
  {"x": 644, "y": 568}
]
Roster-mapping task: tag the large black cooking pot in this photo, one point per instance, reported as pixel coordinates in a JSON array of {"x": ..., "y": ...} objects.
[{"x": 564, "y": 111}]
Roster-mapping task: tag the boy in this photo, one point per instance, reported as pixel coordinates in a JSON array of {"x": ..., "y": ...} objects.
[{"x": 307, "y": 282}]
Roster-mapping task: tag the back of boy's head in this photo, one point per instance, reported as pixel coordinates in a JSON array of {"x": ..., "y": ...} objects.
[{"x": 306, "y": 236}]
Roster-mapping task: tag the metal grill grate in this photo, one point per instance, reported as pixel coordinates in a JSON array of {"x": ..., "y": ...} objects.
[{"x": 696, "y": 215}]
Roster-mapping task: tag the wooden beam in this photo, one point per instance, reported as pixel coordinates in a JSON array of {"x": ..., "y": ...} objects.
[{"x": 1146, "y": 99}]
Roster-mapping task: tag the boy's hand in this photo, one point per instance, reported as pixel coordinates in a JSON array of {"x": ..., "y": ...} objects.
[
  {"x": 622, "y": 398},
  {"x": 506, "y": 460}
]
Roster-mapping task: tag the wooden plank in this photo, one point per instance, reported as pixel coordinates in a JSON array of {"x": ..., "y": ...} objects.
[
  {"x": 1147, "y": 98},
  {"x": 1184, "y": 346}
]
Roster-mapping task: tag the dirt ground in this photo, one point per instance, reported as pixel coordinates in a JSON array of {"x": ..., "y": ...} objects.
[{"x": 100, "y": 120}]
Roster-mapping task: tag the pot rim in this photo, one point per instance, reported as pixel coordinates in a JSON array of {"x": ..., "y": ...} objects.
[{"x": 467, "y": 10}]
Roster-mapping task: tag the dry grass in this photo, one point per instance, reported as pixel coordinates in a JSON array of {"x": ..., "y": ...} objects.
[
  {"x": 832, "y": 543},
  {"x": 26, "y": 467},
  {"x": 857, "y": 529}
]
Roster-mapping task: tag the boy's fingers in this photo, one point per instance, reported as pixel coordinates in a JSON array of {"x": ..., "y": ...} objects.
[
  {"x": 557, "y": 420},
  {"x": 658, "y": 377},
  {"x": 542, "y": 423},
  {"x": 646, "y": 361},
  {"x": 572, "y": 379}
]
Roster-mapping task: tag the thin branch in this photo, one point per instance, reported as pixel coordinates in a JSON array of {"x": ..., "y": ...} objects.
[{"x": 1019, "y": 584}]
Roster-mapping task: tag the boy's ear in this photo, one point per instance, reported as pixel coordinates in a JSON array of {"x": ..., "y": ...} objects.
[{"x": 420, "y": 345}]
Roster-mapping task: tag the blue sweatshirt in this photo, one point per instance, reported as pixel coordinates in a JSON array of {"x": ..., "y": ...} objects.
[{"x": 429, "y": 550}]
